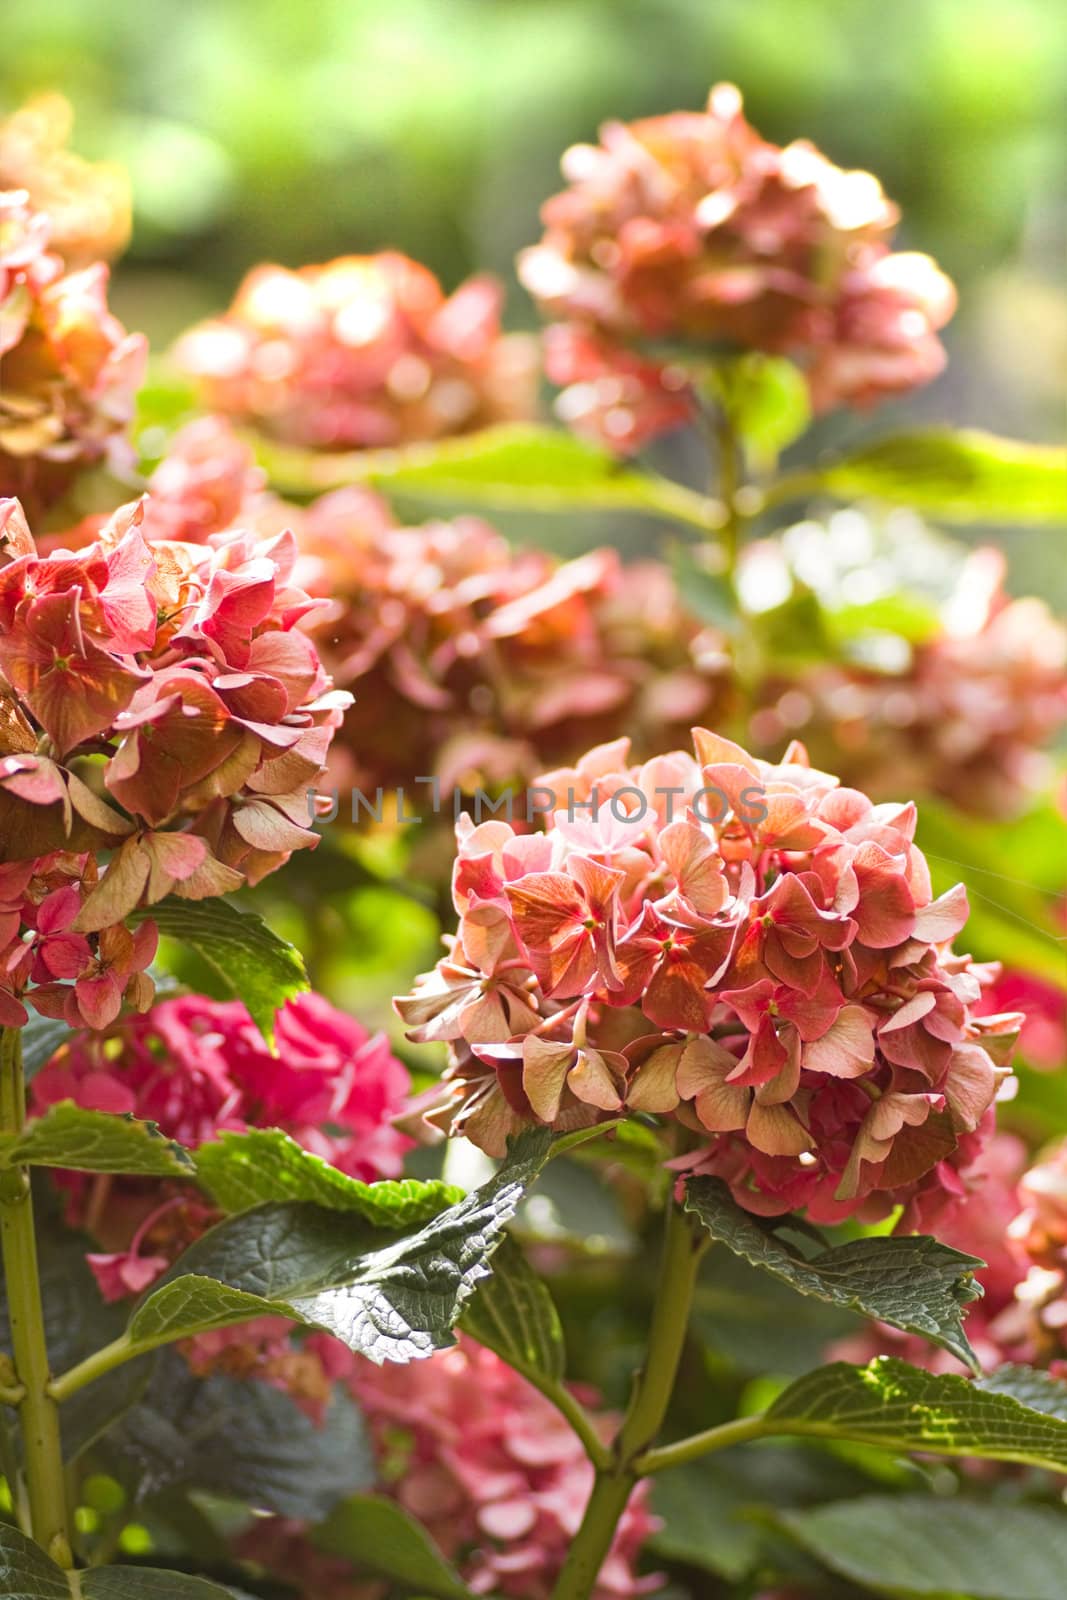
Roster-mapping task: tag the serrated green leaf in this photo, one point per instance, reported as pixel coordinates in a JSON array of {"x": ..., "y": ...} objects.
[
  {"x": 514, "y": 1314},
  {"x": 241, "y": 1170},
  {"x": 1030, "y": 1386},
  {"x": 913, "y": 1282},
  {"x": 965, "y": 476},
  {"x": 377, "y": 1536},
  {"x": 912, "y": 1545},
  {"x": 250, "y": 962},
  {"x": 148, "y": 1583},
  {"x": 514, "y": 466},
  {"x": 899, "y": 1407},
  {"x": 245, "y": 1442},
  {"x": 390, "y": 1296},
  {"x": 26, "y": 1573},
  {"x": 95, "y": 1141}
]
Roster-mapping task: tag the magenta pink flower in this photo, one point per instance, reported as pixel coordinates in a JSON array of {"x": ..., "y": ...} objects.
[{"x": 747, "y": 950}]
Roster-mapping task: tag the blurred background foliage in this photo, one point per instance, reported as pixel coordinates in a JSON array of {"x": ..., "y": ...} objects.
[{"x": 276, "y": 129}]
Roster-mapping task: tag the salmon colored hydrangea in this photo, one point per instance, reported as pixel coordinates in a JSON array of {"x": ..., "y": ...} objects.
[
  {"x": 70, "y": 368},
  {"x": 363, "y": 351},
  {"x": 683, "y": 233},
  {"x": 746, "y": 949}
]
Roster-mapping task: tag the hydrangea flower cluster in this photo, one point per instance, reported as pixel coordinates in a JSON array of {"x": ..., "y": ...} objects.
[
  {"x": 157, "y": 701},
  {"x": 70, "y": 367},
  {"x": 491, "y": 1470},
  {"x": 200, "y": 1067},
  {"x": 88, "y": 203},
  {"x": 751, "y": 951},
  {"x": 361, "y": 352},
  {"x": 481, "y": 663},
  {"x": 690, "y": 229},
  {"x": 967, "y": 713}
]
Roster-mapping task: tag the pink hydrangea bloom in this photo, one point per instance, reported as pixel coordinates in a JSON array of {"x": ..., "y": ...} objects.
[
  {"x": 691, "y": 229},
  {"x": 200, "y": 1067},
  {"x": 163, "y": 708},
  {"x": 492, "y": 1471},
  {"x": 87, "y": 203},
  {"x": 362, "y": 351},
  {"x": 748, "y": 950},
  {"x": 70, "y": 367}
]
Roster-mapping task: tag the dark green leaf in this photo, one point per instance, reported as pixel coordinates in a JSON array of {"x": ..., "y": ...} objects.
[
  {"x": 377, "y": 1536},
  {"x": 910, "y": 1545},
  {"x": 961, "y": 477},
  {"x": 249, "y": 961},
  {"x": 516, "y": 466},
  {"x": 148, "y": 1583},
  {"x": 95, "y": 1141},
  {"x": 242, "y": 1440},
  {"x": 26, "y": 1573},
  {"x": 40, "y": 1039},
  {"x": 757, "y": 1323},
  {"x": 390, "y": 1296},
  {"x": 912, "y": 1282},
  {"x": 899, "y": 1407},
  {"x": 513, "y": 1313},
  {"x": 241, "y": 1170}
]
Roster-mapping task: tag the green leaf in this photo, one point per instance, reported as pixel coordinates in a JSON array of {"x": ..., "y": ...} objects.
[
  {"x": 767, "y": 400},
  {"x": 148, "y": 1583},
  {"x": 1030, "y": 1386},
  {"x": 514, "y": 1314},
  {"x": 899, "y": 1407},
  {"x": 40, "y": 1039},
  {"x": 514, "y": 466},
  {"x": 1012, "y": 915},
  {"x": 26, "y": 1573},
  {"x": 95, "y": 1141},
  {"x": 249, "y": 961},
  {"x": 710, "y": 596},
  {"x": 912, "y": 1282},
  {"x": 757, "y": 1323},
  {"x": 390, "y": 1296},
  {"x": 376, "y": 1535},
  {"x": 960, "y": 477},
  {"x": 913, "y": 1545},
  {"x": 241, "y": 1170},
  {"x": 243, "y": 1441}
]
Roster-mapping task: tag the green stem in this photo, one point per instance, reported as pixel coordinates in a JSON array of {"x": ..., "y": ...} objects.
[
  {"x": 730, "y": 482},
  {"x": 682, "y": 1451},
  {"x": 103, "y": 1360},
  {"x": 575, "y": 1413},
  {"x": 38, "y": 1413},
  {"x": 682, "y": 1250}
]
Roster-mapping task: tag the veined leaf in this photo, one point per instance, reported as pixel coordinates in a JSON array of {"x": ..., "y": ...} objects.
[
  {"x": 241, "y": 1170},
  {"x": 69, "y": 1136},
  {"x": 249, "y": 961},
  {"x": 912, "y": 1282},
  {"x": 516, "y": 465},
  {"x": 514, "y": 1314},
  {"x": 913, "y": 1545},
  {"x": 26, "y": 1573},
  {"x": 391, "y": 1296},
  {"x": 899, "y": 1407},
  {"x": 377, "y": 1536},
  {"x": 148, "y": 1583},
  {"x": 241, "y": 1441}
]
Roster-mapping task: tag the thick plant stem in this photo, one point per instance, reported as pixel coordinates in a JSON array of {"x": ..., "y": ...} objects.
[
  {"x": 682, "y": 1250},
  {"x": 38, "y": 1413}
]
